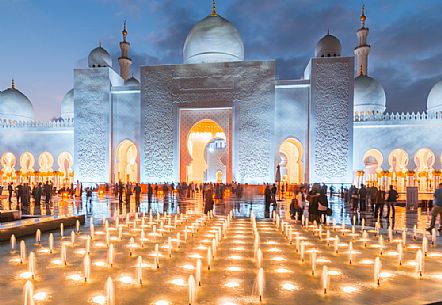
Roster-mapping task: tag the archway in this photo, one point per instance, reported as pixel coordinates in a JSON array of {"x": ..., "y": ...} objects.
[
  {"x": 127, "y": 165},
  {"x": 65, "y": 163},
  {"x": 424, "y": 159},
  {"x": 373, "y": 159},
  {"x": 398, "y": 161},
  {"x": 8, "y": 165},
  {"x": 27, "y": 162},
  {"x": 214, "y": 156},
  {"x": 200, "y": 135},
  {"x": 291, "y": 167},
  {"x": 45, "y": 162}
]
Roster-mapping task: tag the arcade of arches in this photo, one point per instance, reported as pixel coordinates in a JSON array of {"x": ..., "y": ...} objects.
[
  {"x": 421, "y": 171},
  {"x": 27, "y": 170},
  {"x": 127, "y": 164}
]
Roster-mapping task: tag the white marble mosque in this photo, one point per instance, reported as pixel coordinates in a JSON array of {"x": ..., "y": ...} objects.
[{"x": 219, "y": 117}]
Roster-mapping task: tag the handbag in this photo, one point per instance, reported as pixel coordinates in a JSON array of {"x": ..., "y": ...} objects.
[{"x": 328, "y": 212}]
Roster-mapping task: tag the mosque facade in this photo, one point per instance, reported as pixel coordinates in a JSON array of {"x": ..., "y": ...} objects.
[{"x": 217, "y": 117}]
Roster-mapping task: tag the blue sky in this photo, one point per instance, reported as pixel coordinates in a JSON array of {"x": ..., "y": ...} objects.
[{"x": 44, "y": 40}]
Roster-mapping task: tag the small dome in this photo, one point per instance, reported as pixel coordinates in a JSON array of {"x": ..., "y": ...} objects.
[
  {"x": 213, "y": 39},
  {"x": 67, "y": 105},
  {"x": 14, "y": 105},
  {"x": 328, "y": 46},
  {"x": 99, "y": 57},
  {"x": 132, "y": 82},
  {"x": 434, "y": 100},
  {"x": 369, "y": 96}
]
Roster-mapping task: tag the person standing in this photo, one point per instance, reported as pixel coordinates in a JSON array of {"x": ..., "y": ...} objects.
[
  {"x": 18, "y": 195},
  {"x": 391, "y": 201},
  {"x": 37, "y": 197},
  {"x": 379, "y": 205},
  {"x": 120, "y": 192},
  {"x": 128, "y": 193},
  {"x": 47, "y": 191},
  {"x": 137, "y": 190},
  {"x": 362, "y": 198},
  {"x": 149, "y": 193},
  {"x": 437, "y": 209},
  {"x": 267, "y": 199},
  {"x": 209, "y": 201},
  {"x": 10, "y": 189}
]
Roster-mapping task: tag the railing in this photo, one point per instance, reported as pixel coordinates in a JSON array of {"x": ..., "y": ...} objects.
[
  {"x": 398, "y": 116},
  {"x": 26, "y": 124}
]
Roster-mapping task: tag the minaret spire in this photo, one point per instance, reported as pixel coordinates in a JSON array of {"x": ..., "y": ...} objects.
[
  {"x": 362, "y": 49},
  {"x": 124, "y": 60},
  {"x": 214, "y": 8},
  {"x": 13, "y": 84}
]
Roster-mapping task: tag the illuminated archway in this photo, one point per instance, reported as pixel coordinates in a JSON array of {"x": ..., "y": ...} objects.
[
  {"x": 373, "y": 159},
  {"x": 127, "y": 165},
  {"x": 291, "y": 166},
  {"x": 65, "y": 163},
  {"x": 199, "y": 136},
  {"x": 8, "y": 165},
  {"x": 424, "y": 160},
  {"x": 398, "y": 160},
  {"x": 27, "y": 162},
  {"x": 45, "y": 162}
]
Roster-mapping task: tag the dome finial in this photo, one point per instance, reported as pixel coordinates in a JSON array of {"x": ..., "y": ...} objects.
[
  {"x": 214, "y": 8},
  {"x": 363, "y": 17},
  {"x": 13, "y": 84},
  {"x": 124, "y": 31}
]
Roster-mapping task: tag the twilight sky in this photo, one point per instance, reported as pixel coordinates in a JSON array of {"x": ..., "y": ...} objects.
[{"x": 43, "y": 41}]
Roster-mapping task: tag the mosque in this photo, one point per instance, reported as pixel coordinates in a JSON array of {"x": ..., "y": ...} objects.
[{"x": 217, "y": 117}]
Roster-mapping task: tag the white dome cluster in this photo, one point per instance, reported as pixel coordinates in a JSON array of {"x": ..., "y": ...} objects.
[{"x": 213, "y": 39}]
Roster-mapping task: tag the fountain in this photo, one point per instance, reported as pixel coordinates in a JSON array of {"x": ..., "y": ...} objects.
[
  {"x": 131, "y": 246},
  {"x": 377, "y": 271},
  {"x": 433, "y": 236},
  {"x": 336, "y": 244},
  {"x": 157, "y": 257},
  {"x": 13, "y": 241},
  {"x": 425, "y": 245},
  {"x": 92, "y": 230},
  {"x": 400, "y": 253},
  {"x": 192, "y": 290},
  {"x": 302, "y": 250},
  {"x": 313, "y": 258},
  {"x": 140, "y": 270},
  {"x": 404, "y": 237},
  {"x": 169, "y": 246},
  {"x": 61, "y": 230},
  {"x": 178, "y": 240},
  {"x": 209, "y": 258},
  {"x": 198, "y": 272},
  {"x": 107, "y": 238},
  {"x": 63, "y": 256},
  {"x": 28, "y": 293},
  {"x": 22, "y": 252},
  {"x": 390, "y": 234},
  {"x": 88, "y": 244},
  {"x": 260, "y": 282},
  {"x": 38, "y": 237},
  {"x": 350, "y": 252},
  {"x": 110, "y": 292},
  {"x": 414, "y": 232},
  {"x": 72, "y": 238},
  {"x": 259, "y": 258},
  {"x": 325, "y": 281},
  {"x": 77, "y": 225},
  {"x": 87, "y": 268},
  {"x": 120, "y": 233},
  {"x": 51, "y": 243},
  {"x": 32, "y": 264},
  {"x": 419, "y": 263},
  {"x": 110, "y": 255}
]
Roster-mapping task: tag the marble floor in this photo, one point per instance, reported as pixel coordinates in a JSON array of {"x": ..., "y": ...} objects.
[{"x": 238, "y": 235}]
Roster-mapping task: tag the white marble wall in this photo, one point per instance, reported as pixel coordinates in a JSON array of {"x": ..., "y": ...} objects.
[{"x": 331, "y": 119}]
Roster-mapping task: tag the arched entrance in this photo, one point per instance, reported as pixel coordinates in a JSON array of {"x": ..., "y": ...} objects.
[
  {"x": 45, "y": 162},
  {"x": 291, "y": 167},
  {"x": 201, "y": 136},
  {"x": 27, "y": 162},
  {"x": 8, "y": 165},
  {"x": 65, "y": 163},
  {"x": 373, "y": 160},
  {"x": 127, "y": 165}
]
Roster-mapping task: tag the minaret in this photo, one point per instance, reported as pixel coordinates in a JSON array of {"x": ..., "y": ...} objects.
[
  {"x": 124, "y": 59},
  {"x": 213, "y": 8},
  {"x": 363, "y": 49}
]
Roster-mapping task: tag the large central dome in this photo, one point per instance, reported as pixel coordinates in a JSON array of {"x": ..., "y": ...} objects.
[{"x": 213, "y": 39}]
